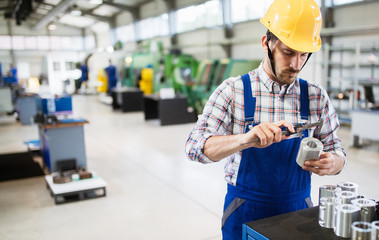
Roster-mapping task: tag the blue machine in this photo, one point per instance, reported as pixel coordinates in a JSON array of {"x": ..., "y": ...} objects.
[
  {"x": 63, "y": 105},
  {"x": 26, "y": 106}
]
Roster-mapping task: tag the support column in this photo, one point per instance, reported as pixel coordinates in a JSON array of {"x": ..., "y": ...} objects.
[{"x": 227, "y": 26}]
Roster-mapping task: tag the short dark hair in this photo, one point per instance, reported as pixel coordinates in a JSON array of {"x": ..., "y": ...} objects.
[{"x": 271, "y": 36}]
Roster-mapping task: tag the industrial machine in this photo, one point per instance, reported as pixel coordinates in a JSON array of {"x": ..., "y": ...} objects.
[
  {"x": 173, "y": 70},
  {"x": 213, "y": 73}
]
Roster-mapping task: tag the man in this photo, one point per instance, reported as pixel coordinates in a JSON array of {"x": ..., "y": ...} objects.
[
  {"x": 243, "y": 121},
  {"x": 84, "y": 76},
  {"x": 12, "y": 73},
  {"x": 111, "y": 74}
]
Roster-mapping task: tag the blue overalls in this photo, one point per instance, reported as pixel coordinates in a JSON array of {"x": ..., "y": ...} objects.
[
  {"x": 112, "y": 80},
  {"x": 269, "y": 180}
]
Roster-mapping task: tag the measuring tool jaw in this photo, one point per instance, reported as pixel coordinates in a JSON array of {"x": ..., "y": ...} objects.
[{"x": 299, "y": 128}]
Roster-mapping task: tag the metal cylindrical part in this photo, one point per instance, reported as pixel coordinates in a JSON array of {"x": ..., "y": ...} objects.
[
  {"x": 346, "y": 196},
  {"x": 361, "y": 231},
  {"x": 345, "y": 215},
  {"x": 328, "y": 191},
  {"x": 310, "y": 149},
  {"x": 348, "y": 186},
  {"x": 375, "y": 230},
  {"x": 326, "y": 212},
  {"x": 367, "y": 213}
]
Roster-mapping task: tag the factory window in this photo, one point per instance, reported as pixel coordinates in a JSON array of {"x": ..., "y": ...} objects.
[
  {"x": 153, "y": 27},
  {"x": 125, "y": 33},
  {"x": 70, "y": 66},
  {"x": 243, "y": 10},
  {"x": 208, "y": 14},
  {"x": 76, "y": 43},
  {"x": 5, "y": 42},
  {"x": 340, "y": 2},
  {"x": 18, "y": 42},
  {"x": 89, "y": 42},
  {"x": 43, "y": 43},
  {"x": 68, "y": 43},
  {"x": 56, "y": 66},
  {"x": 55, "y": 43},
  {"x": 30, "y": 43}
]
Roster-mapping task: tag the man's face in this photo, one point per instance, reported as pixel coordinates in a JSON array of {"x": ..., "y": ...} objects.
[{"x": 288, "y": 62}]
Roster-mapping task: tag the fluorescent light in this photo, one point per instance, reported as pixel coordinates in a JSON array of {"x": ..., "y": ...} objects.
[
  {"x": 97, "y": 2},
  {"x": 76, "y": 12},
  {"x": 52, "y": 27}
]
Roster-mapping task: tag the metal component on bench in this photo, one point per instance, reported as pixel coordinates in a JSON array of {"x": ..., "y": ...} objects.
[
  {"x": 61, "y": 179},
  {"x": 310, "y": 149},
  {"x": 348, "y": 186},
  {"x": 367, "y": 213},
  {"x": 328, "y": 191},
  {"x": 346, "y": 196},
  {"x": 360, "y": 231},
  {"x": 345, "y": 215},
  {"x": 326, "y": 211},
  {"x": 375, "y": 230}
]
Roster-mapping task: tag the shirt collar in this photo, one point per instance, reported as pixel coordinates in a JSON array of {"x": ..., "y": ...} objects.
[{"x": 272, "y": 86}]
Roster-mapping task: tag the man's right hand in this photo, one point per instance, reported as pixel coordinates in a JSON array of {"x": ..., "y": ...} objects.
[
  {"x": 265, "y": 134},
  {"x": 260, "y": 136}
]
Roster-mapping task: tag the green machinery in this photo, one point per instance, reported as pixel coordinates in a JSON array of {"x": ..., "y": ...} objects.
[
  {"x": 212, "y": 73},
  {"x": 184, "y": 74},
  {"x": 165, "y": 68}
]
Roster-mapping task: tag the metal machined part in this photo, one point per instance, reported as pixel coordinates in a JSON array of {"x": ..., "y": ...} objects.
[
  {"x": 367, "y": 213},
  {"x": 361, "y": 231},
  {"x": 345, "y": 215},
  {"x": 375, "y": 230},
  {"x": 348, "y": 186},
  {"x": 310, "y": 149},
  {"x": 328, "y": 191},
  {"x": 326, "y": 211},
  {"x": 346, "y": 196}
]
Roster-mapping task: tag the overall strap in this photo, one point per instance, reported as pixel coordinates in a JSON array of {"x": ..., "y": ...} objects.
[
  {"x": 304, "y": 99},
  {"x": 249, "y": 100}
]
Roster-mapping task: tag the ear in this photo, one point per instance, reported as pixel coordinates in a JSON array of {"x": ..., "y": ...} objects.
[{"x": 264, "y": 44}]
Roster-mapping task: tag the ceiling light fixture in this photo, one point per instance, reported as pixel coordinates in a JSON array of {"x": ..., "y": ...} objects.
[
  {"x": 75, "y": 11},
  {"x": 96, "y": 2},
  {"x": 52, "y": 27}
]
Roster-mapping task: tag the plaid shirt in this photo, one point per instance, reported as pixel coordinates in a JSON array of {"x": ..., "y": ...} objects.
[{"x": 224, "y": 114}]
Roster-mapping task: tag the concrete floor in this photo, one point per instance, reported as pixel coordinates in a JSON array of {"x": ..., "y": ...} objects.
[{"x": 153, "y": 191}]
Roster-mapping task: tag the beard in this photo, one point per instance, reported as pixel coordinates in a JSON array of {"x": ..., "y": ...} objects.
[{"x": 287, "y": 75}]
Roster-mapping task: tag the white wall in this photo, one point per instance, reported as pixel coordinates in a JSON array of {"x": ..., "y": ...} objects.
[
  {"x": 153, "y": 9},
  {"x": 360, "y": 15},
  {"x": 186, "y": 3},
  {"x": 124, "y": 18}
]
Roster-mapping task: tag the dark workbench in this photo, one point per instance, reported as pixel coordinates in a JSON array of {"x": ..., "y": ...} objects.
[
  {"x": 299, "y": 225},
  {"x": 168, "y": 111},
  {"x": 127, "y": 99}
]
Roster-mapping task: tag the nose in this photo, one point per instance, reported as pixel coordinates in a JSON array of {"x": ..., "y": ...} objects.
[{"x": 296, "y": 62}]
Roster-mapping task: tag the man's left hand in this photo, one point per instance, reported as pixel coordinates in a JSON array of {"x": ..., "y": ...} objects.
[{"x": 328, "y": 164}]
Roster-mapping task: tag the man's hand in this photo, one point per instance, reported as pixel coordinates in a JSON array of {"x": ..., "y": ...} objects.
[
  {"x": 328, "y": 164},
  {"x": 265, "y": 134},
  {"x": 262, "y": 135}
]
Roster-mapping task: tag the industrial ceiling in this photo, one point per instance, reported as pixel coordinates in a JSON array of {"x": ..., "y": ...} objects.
[{"x": 37, "y": 14}]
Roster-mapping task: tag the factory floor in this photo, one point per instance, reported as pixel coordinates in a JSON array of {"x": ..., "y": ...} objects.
[{"x": 153, "y": 191}]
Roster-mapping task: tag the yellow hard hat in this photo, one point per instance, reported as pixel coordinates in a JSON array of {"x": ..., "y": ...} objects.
[{"x": 297, "y": 23}]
